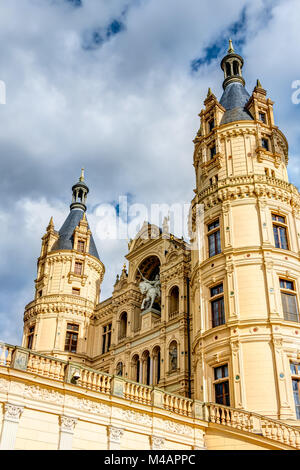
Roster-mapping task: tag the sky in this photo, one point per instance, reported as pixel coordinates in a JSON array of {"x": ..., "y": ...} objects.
[{"x": 115, "y": 86}]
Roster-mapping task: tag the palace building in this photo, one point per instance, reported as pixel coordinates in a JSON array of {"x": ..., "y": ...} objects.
[{"x": 199, "y": 345}]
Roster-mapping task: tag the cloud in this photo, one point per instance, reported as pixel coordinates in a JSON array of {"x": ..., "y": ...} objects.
[{"x": 125, "y": 109}]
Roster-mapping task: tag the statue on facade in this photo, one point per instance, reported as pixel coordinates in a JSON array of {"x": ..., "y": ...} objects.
[
  {"x": 173, "y": 358},
  {"x": 151, "y": 289}
]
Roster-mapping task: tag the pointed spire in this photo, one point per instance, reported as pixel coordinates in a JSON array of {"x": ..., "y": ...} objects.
[
  {"x": 51, "y": 224},
  {"x": 82, "y": 175},
  {"x": 209, "y": 93},
  {"x": 231, "y": 48},
  {"x": 258, "y": 84}
]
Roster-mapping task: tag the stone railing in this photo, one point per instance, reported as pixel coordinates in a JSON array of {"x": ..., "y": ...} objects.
[
  {"x": 139, "y": 393},
  {"x": 67, "y": 372},
  {"x": 253, "y": 423},
  {"x": 173, "y": 315},
  {"x": 178, "y": 404}
]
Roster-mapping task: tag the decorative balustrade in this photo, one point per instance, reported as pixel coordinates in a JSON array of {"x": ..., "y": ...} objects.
[
  {"x": 6, "y": 354},
  {"x": 178, "y": 404},
  {"x": 63, "y": 371},
  {"x": 253, "y": 423},
  {"x": 137, "y": 392},
  {"x": 173, "y": 315},
  {"x": 95, "y": 380}
]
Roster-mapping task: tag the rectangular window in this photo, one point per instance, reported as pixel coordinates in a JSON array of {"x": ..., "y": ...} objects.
[
  {"x": 80, "y": 246},
  {"x": 280, "y": 232},
  {"x": 221, "y": 385},
  {"x": 75, "y": 291},
  {"x": 30, "y": 337},
  {"x": 217, "y": 305},
  {"x": 295, "y": 372},
  {"x": 78, "y": 268},
  {"x": 289, "y": 300},
  {"x": 106, "y": 338},
  {"x": 262, "y": 117},
  {"x": 71, "y": 337},
  {"x": 214, "y": 240},
  {"x": 265, "y": 144},
  {"x": 213, "y": 151}
]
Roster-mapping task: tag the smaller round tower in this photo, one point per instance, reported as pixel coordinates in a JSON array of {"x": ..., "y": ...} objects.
[{"x": 67, "y": 288}]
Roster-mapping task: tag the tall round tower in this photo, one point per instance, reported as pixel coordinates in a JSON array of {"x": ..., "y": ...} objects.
[
  {"x": 67, "y": 287},
  {"x": 245, "y": 270}
]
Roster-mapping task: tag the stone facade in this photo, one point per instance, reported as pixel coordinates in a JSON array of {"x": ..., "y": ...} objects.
[{"x": 225, "y": 330}]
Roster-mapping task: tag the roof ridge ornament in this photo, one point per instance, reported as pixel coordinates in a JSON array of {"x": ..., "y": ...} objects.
[{"x": 231, "y": 48}]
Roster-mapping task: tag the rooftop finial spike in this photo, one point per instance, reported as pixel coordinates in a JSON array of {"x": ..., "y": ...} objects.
[
  {"x": 51, "y": 224},
  {"x": 258, "y": 84},
  {"x": 82, "y": 175},
  {"x": 209, "y": 92},
  {"x": 231, "y": 48}
]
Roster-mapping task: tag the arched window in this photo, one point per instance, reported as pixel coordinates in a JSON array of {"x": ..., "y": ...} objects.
[
  {"x": 123, "y": 326},
  {"x": 228, "y": 69},
  {"x": 173, "y": 357},
  {"x": 136, "y": 368},
  {"x": 173, "y": 301},
  {"x": 156, "y": 365},
  {"x": 236, "y": 70},
  {"x": 119, "y": 369}
]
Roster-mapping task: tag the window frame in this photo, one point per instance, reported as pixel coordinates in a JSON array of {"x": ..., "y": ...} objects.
[
  {"x": 280, "y": 226},
  {"x": 295, "y": 377},
  {"x": 266, "y": 140},
  {"x": 71, "y": 334},
  {"x": 212, "y": 233},
  {"x": 80, "y": 271},
  {"x": 213, "y": 299},
  {"x": 291, "y": 292},
  {"x": 75, "y": 291},
  {"x": 106, "y": 337},
  {"x": 224, "y": 380},
  {"x": 79, "y": 242},
  {"x": 30, "y": 337}
]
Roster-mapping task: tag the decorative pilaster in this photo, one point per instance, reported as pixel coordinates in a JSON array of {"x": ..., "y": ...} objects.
[
  {"x": 114, "y": 438},
  {"x": 67, "y": 426},
  {"x": 12, "y": 414},
  {"x": 157, "y": 443}
]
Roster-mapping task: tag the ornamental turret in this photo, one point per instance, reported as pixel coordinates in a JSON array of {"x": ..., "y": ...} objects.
[{"x": 67, "y": 287}]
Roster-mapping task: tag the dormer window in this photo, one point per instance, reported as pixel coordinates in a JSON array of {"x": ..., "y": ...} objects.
[
  {"x": 262, "y": 117},
  {"x": 80, "y": 246},
  {"x": 265, "y": 144},
  {"x": 213, "y": 151}
]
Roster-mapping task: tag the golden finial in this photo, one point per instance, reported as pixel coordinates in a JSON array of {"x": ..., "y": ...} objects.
[
  {"x": 124, "y": 266},
  {"x": 82, "y": 175},
  {"x": 231, "y": 48},
  {"x": 209, "y": 92},
  {"x": 51, "y": 224},
  {"x": 258, "y": 84}
]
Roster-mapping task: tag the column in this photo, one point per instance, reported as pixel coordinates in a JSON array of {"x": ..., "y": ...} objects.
[
  {"x": 12, "y": 414},
  {"x": 114, "y": 438},
  {"x": 151, "y": 371},
  {"x": 141, "y": 372},
  {"x": 67, "y": 426}
]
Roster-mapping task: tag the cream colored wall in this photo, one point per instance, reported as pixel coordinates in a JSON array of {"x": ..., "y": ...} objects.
[
  {"x": 92, "y": 416},
  {"x": 37, "y": 430}
]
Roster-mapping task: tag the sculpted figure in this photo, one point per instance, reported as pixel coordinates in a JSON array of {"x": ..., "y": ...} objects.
[{"x": 151, "y": 289}]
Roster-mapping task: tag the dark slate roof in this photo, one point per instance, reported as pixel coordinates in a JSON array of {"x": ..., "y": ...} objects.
[
  {"x": 234, "y": 99},
  {"x": 65, "y": 241}
]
